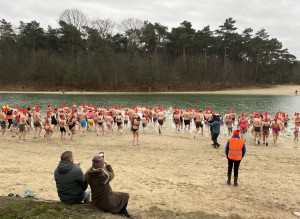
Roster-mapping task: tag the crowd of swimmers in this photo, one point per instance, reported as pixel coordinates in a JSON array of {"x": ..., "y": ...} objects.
[{"x": 104, "y": 119}]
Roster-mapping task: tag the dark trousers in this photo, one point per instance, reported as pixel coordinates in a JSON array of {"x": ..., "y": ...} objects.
[
  {"x": 9, "y": 123},
  {"x": 124, "y": 210},
  {"x": 236, "y": 165},
  {"x": 214, "y": 137}
]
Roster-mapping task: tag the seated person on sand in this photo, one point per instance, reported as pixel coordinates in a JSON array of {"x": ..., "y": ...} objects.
[
  {"x": 98, "y": 177},
  {"x": 71, "y": 187}
]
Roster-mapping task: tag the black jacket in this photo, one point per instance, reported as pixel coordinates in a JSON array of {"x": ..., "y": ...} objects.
[{"x": 69, "y": 183}]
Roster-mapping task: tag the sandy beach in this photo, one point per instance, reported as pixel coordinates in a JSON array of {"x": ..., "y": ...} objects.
[
  {"x": 171, "y": 171},
  {"x": 272, "y": 90}
]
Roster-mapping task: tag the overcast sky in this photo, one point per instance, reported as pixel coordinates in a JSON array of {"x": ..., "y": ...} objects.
[{"x": 281, "y": 18}]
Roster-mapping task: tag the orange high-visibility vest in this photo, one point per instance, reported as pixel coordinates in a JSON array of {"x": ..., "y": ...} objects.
[{"x": 235, "y": 148}]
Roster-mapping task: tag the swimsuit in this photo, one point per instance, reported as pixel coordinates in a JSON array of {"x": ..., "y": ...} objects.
[
  {"x": 187, "y": 122},
  {"x": 3, "y": 124},
  {"x": 36, "y": 124},
  {"x": 275, "y": 130},
  {"x": 154, "y": 119},
  {"x": 144, "y": 124},
  {"x": 71, "y": 126},
  {"x": 100, "y": 123},
  {"x": 176, "y": 121},
  {"x": 243, "y": 125},
  {"x": 53, "y": 120},
  {"x": 161, "y": 121},
  {"x": 22, "y": 127},
  {"x": 125, "y": 121},
  {"x": 119, "y": 123},
  {"x": 199, "y": 124},
  {"x": 83, "y": 123},
  {"x": 62, "y": 129},
  {"x": 266, "y": 129},
  {"x": 256, "y": 129}
]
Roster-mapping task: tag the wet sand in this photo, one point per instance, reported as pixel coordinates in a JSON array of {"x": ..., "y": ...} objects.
[
  {"x": 171, "y": 171},
  {"x": 272, "y": 90}
]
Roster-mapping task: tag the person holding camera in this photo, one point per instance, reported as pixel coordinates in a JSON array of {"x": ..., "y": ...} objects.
[
  {"x": 71, "y": 187},
  {"x": 215, "y": 125},
  {"x": 99, "y": 177}
]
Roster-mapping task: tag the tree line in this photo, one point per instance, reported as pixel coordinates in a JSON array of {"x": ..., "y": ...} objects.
[{"x": 99, "y": 54}]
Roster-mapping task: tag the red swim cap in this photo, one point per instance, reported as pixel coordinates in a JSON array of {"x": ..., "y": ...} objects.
[{"x": 48, "y": 115}]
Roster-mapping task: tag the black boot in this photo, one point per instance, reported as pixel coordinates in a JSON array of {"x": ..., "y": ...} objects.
[
  {"x": 229, "y": 179},
  {"x": 235, "y": 181},
  {"x": 218, "y": 145}
]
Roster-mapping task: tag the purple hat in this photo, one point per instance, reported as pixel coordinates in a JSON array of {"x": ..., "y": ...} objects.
[{"x": 98, "y": 162}]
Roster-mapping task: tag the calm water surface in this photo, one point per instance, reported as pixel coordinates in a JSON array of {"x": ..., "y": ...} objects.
[{"x": 220, "y": 103}]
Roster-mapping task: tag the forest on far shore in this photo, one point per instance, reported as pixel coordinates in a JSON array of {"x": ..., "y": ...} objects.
[{"x": 85, "y": 53}]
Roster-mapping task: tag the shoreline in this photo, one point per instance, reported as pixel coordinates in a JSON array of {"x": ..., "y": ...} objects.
[{"x": 273, "y": 90}]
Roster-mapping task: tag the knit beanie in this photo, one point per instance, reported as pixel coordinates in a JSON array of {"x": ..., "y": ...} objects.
[
  {"x": 98, "y": 162},
  {"x": 236, "y": 132}
]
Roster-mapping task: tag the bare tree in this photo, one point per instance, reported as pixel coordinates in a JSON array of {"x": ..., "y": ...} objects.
[
  {"x": 130, "y": 24},
  {"x": 75, "y": 17},
  {"x": 105, "y": 27}
]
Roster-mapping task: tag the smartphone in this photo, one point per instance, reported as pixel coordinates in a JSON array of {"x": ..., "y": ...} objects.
[{"x": 101, "y": 154}]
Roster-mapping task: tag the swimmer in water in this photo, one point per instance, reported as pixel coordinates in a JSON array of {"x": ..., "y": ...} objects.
[
  {"x": 296, "y": 131},
  {"x": 266, "y": 131},
  {"x": 275, "y": 129},
  {"x": 62, "y": 128},
  {"x": 198, "y": 122},
  {"x": 135, "y": 129}
]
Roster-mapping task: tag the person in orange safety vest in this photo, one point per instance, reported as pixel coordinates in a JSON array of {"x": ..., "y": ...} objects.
[{"x": 235, "y": 150}]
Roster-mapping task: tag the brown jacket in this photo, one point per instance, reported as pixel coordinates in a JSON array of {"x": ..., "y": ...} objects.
[{"x": 102, "y": 195}]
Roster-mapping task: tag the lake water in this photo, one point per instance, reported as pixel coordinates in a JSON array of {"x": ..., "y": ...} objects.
[{"x": 221, "y": 103}]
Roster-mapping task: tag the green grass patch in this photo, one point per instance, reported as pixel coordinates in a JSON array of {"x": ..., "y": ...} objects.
[{"x": 22, "y": 208}]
